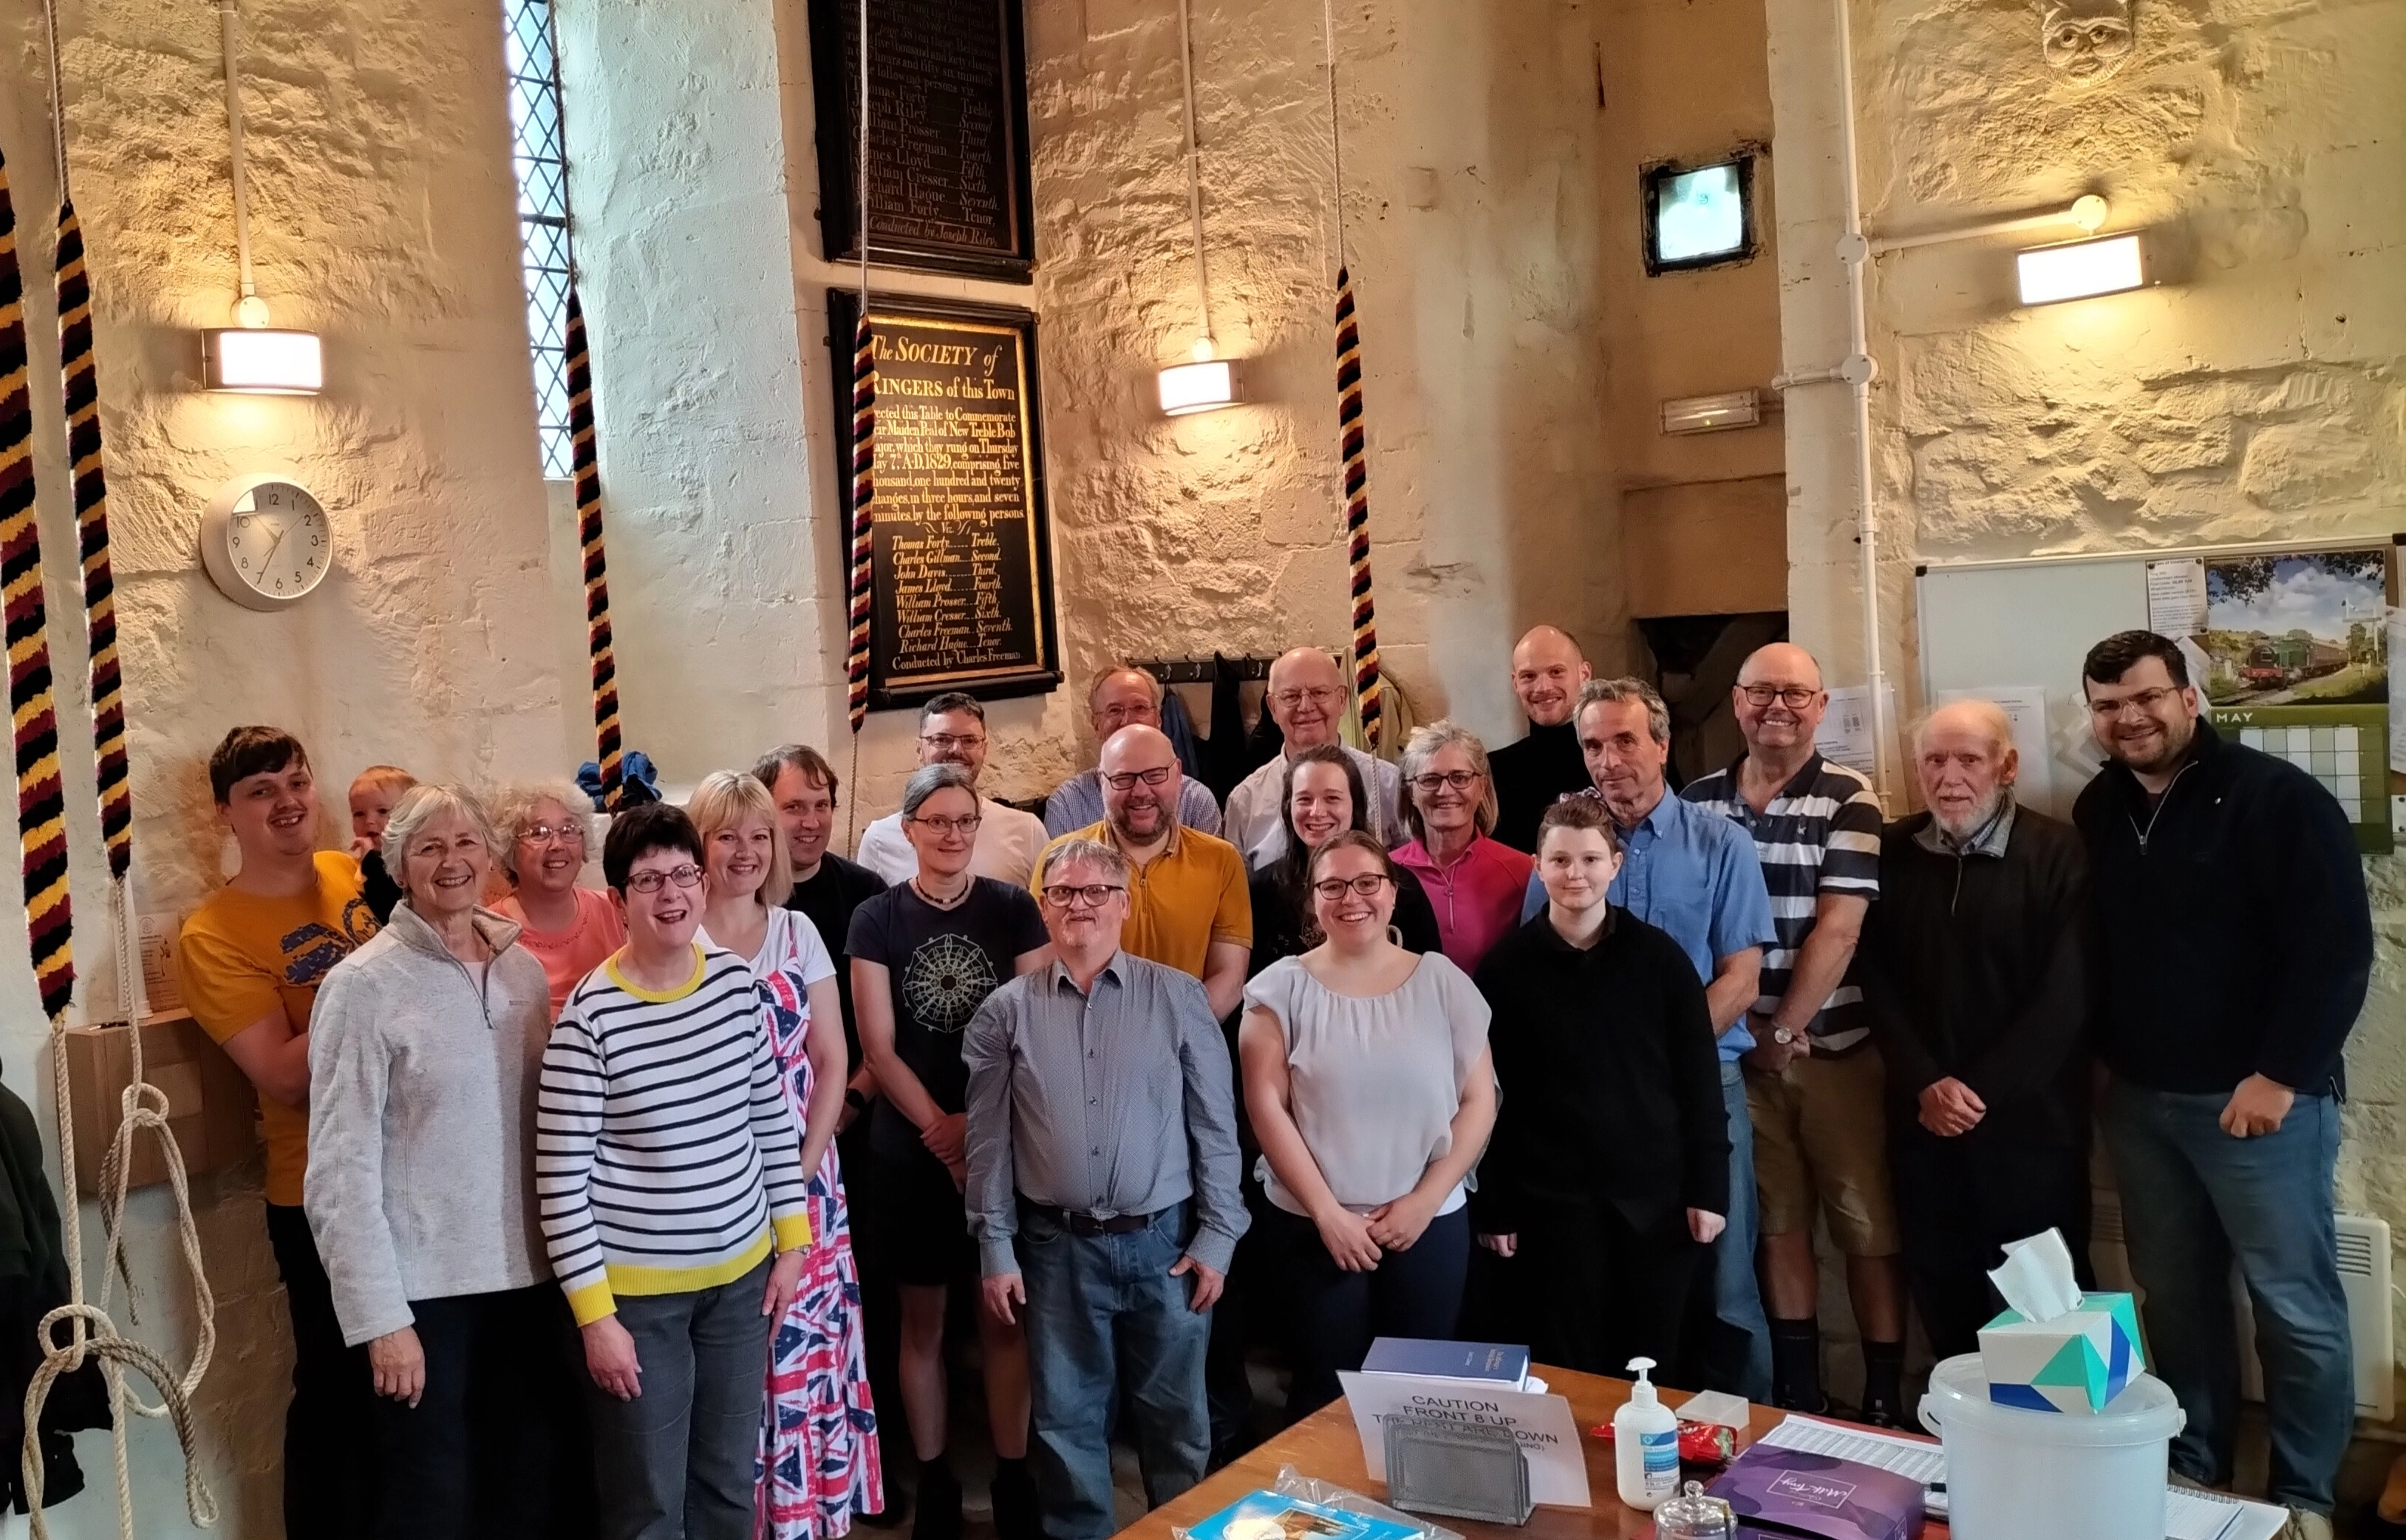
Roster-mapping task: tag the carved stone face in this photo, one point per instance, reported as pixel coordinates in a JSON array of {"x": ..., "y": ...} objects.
[{"x": 2085, "y": 40}]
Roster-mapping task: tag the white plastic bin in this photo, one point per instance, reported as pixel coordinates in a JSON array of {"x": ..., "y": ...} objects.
[{"x": 2015, "y": 1474}]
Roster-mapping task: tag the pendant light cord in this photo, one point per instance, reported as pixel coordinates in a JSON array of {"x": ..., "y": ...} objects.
[
  {"x": 1194, "y": 168},
  {"x": 233, "y": 139}
]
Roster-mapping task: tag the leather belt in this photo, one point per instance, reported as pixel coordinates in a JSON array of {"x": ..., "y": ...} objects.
[{"x": 1087, "y": 1224}]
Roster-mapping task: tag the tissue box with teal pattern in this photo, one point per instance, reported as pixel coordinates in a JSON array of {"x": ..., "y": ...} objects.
[{"x": 2077, "y": 1363}]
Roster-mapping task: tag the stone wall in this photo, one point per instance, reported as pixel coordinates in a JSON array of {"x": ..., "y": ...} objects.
[
  {"x": 380, "y": 203},
  {"x": 2255, "y": 395}
]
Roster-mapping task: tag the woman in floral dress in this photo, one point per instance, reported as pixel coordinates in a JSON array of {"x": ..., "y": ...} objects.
[{"x": 819, "y": 1461}]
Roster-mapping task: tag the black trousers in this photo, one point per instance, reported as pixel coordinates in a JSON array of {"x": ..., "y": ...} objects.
[
  {"x": 1597, "y": 1292},
  {"x": 330, "y": 1466},
  {"x": 1959, "y": 1200},
  {"x": 1334, "y": 1314},
  {"x": 498, "y": 1445},
  {"x": 1237, "y": 1322}
]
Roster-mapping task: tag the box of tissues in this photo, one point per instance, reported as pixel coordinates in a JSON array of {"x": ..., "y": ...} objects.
[{"x": 2056, "y": 1349}]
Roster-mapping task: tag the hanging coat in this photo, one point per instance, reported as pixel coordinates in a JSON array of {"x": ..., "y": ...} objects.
[{"x": 34, "y": 1282}]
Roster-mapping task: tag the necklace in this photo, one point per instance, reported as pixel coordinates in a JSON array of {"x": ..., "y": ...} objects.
[{"x": 933, "y": 902}]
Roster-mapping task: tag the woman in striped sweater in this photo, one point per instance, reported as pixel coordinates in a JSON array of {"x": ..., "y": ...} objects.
[{"x": 668, "y": 1170}]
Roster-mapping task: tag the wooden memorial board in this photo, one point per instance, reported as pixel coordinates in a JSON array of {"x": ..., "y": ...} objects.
[
  {"x": 948, "y": 178},
  {"x": 962, "y": 585}
]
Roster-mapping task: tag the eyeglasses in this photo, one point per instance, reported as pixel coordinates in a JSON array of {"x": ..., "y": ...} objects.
[
  {"x": 1123, "y": 779},
  {"x": 1367, "y": 885},
  {"x": 1093, "y": 895},
  {"x": 544, "y": 834},
  {"x": 1432, "y": 782},
  {"x": 944, "y": 741},
  {"x": 1795, "y": 697},
  {"x": 1292, "y": 698},
  {"x": 652, "y": 881},
  {"x": 951, "y": 825},
  {"x": 2147, "y": 701}
]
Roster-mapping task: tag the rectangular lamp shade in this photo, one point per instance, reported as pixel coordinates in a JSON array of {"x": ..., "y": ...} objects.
[
  {"x": 1709, "y": 414},
  {"x": 262, "y": 361},
  {"x": 2080, "y": 269},
  {"x": 1190, "y": 388}
]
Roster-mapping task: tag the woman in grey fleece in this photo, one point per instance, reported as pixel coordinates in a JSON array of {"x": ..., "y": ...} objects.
[{"x": 424, "y": 1050}]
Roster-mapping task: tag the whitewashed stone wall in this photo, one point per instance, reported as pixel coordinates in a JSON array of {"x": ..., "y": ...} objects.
[
  {"x": 2255, "y": 395},
  {"x": 381, "y": 211}
]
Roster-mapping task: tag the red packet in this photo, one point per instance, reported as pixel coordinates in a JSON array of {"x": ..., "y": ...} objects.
[{"x": 1700, "y": 1442}]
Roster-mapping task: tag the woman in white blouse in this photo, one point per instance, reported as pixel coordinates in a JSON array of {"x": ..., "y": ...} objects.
[{"x": 1368, "y": 1078}]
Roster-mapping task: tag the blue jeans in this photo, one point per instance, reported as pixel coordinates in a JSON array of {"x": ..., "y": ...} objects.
[
  {"x": 2193, "y": 1197},
  {"x": 1737, "y": 1359},
  {"x": 1104, "y": 1317}
]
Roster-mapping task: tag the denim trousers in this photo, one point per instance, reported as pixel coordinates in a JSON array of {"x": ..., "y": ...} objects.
[
  {"x": 2193, "y": 1199},
  {"x": 1107, "y": 1325},
  {"x": 676, "y": 1463},
  {"x": 1737, "y": 1356}
]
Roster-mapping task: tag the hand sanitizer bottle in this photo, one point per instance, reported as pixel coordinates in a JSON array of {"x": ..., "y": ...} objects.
[{"x": 1644, "y": 1444}]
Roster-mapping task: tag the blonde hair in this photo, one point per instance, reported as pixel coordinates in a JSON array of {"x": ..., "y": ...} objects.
[
  {"x": 390, "y": 779},
  {"x": 723, "y": 801}
]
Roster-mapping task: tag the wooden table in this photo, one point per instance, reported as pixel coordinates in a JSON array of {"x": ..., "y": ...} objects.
[{"x": 1324, "y": 1445}]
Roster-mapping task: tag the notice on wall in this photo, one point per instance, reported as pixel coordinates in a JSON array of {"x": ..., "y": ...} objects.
[
  {"x": 962, "y": 580},
  {"x": 1541, "y": 1423},
  {"x": 156, "y": 939},
  {"x": 2176, "y": 597},
  {"x": 2025, "y": 707},
  {"x": 1846, "y": 734}
]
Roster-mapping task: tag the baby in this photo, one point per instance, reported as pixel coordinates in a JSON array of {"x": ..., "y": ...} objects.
[{"x": 374, "y": 792}]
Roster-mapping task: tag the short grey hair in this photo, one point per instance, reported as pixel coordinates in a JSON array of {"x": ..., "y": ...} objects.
[
  {"x": 1152, "y": 680},
  {"x": 1992, "y": 716},
  {"x": 927, "y": 780},
  {"x": 1597, "y": 691},
  {"x": 1093, "y": 852},
  {"x": 419, "y": 806},
  {"x": 513, "y": 809},
  {"x": 1424, "y": 746}
]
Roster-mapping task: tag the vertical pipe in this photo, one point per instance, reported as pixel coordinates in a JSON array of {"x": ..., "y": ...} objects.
[{"x": 1859, "y": 372}]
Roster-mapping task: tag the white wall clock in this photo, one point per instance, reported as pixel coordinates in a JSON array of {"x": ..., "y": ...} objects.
[{"x": 266, "y": 540}]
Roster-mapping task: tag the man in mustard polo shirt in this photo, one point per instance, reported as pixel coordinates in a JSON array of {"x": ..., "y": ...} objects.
[
  {"x": 250, "y": 959},
  {"x": 1188, "y": 905}
]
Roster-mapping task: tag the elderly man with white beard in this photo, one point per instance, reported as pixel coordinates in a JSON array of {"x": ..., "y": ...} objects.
[{"x": 1971, "y": 968}]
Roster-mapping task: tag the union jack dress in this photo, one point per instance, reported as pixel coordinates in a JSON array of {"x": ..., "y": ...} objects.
[{"x": 817, "y": 1464}]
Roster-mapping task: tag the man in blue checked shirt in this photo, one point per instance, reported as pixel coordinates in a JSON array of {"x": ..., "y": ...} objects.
[{"x": 1694, "y": 876}]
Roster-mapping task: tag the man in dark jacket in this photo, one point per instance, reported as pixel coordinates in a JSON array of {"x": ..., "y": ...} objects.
[
  {"x": 2233, "y": 946},
  {"x": 1971, "y": 973}
]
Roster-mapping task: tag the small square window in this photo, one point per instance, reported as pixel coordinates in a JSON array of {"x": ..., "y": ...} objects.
[{"x": 1699, "y": 215}]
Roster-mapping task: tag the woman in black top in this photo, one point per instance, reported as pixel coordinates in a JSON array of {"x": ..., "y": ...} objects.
[
  {"x": 1609, "y": 1166},
  {"x": 1322, "y": 798}
]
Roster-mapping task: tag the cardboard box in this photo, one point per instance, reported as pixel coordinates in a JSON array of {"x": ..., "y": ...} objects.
[
  {"x": 2077, "y": 1363},
  {"x": 211, "y": 1109}
]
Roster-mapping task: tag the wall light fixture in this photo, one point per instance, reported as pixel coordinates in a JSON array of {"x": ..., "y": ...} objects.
[{"x": 2078, "y": 270}]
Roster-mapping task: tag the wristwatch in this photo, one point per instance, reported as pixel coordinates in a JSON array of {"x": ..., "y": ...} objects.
[{"x": 1782, "y": 1036}]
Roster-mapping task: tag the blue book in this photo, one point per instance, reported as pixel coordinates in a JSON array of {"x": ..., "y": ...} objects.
[{"x": 1491, "y": 1363}]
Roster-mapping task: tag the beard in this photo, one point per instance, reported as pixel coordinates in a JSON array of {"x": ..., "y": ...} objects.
[{"x": 1972, "y": 821}]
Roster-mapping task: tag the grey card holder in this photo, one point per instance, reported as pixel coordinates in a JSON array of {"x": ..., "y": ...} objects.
[{"x": 1460, "y": 1469}]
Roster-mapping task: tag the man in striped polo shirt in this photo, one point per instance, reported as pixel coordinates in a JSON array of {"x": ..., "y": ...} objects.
[
  {"x": 1814, "y": 1080},
  {"x": 668, "y": 1171}
]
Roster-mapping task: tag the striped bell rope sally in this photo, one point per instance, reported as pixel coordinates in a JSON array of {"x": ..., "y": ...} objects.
[
  {"x": 1369, "y": 687},
  {"x": 599, "y": 646},
  {"x": 81, "y": 385},
  {"x": 861, "y": 571}
]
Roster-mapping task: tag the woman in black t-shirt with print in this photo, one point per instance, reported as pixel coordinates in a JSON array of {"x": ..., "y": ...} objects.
[{"x": 925, "y": 955}]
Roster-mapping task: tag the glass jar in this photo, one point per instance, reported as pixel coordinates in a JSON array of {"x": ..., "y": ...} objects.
[{"x": 1693, "y": 1516}]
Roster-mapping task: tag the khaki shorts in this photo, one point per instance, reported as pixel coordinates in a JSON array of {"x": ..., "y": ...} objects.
[{"x": 1821, "y": 1135}]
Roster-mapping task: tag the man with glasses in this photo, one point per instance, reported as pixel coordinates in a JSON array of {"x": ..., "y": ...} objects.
[
  {"x": 1189, "y": 907},
  {"x": 1307, "y": 700},
  {"x": 952, "y": 731},
  {"x": 1548, "y": 669},
  {"x": 1694, "y": 876},
  {"x": 2234, "y": 941},
  {"x": 1122, "y": 698},
  {"x": 1813, "y": 1083},
  {"x": 1102, "y": 1190}
]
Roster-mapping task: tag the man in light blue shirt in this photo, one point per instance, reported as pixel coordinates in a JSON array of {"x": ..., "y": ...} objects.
[
  {"x": 1122, "y": 698},
  {"x": 1683, "y": 873}
]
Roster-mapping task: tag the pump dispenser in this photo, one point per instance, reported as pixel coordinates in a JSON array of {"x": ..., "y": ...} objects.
[{"x": 1644, "y": 1444}]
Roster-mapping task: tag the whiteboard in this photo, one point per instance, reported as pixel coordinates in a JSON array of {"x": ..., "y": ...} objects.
[{"x": 2031, "y": 623}]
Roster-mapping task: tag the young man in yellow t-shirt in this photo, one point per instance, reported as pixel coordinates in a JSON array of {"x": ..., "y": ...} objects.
[{"x": 250, "y": 959}]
